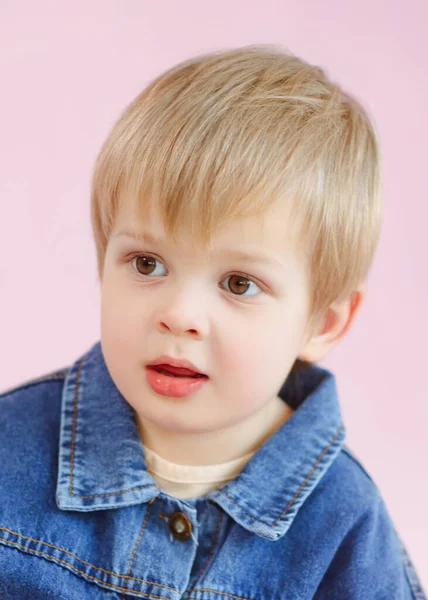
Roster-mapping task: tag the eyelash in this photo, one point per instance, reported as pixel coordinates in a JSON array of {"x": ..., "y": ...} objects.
[{"x": 244, "y": 275}]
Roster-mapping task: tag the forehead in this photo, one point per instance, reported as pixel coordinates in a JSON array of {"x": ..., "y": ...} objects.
[{"x": 273, "y": 230}]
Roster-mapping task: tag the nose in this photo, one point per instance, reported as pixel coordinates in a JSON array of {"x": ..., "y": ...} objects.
[{"x": 183, "y": 314}]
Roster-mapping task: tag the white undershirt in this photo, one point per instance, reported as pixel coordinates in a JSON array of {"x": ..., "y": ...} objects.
[{"x": 189, "y": 481}]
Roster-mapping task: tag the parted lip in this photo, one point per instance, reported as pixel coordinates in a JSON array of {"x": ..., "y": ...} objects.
[{"x": 174, "y": 362}]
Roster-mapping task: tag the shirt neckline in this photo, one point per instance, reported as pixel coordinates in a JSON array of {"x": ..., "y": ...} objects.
[{"x": 179, "y": 473}]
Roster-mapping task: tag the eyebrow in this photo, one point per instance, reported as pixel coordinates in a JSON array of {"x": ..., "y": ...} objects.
[{"x": 260, "y": 257}]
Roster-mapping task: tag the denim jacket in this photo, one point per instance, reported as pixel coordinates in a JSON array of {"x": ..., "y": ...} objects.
[{"x": 82, "y": 518}]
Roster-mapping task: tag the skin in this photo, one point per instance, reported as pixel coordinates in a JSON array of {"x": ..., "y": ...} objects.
[{"x": 188, "y": 306}]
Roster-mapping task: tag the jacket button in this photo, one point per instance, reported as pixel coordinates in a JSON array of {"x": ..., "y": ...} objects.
[{"x": 180, "y": 526}]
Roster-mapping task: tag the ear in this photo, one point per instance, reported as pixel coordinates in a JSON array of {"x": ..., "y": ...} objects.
[{"x": 333, "y": 328}]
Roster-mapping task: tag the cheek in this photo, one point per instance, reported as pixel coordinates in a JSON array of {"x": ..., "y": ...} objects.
[
  {"x": 117, "y": 323},
  {"x": 254, "y": 351},
  {"x": 116, "y": 309},
  {"x": 259, "y": 352}
]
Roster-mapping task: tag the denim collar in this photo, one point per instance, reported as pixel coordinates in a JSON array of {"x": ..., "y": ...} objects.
[{"x": 101, "y": 457}]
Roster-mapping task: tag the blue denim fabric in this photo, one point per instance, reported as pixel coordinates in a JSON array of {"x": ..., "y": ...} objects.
[{"x": 80, "y": 516}]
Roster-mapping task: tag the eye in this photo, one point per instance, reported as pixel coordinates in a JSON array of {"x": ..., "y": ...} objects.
[
  {"x": 239, "y": 284},
  {"x": 145, "y": 265}
]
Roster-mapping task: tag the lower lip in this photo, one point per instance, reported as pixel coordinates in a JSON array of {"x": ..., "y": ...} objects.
[{"x": 175, "y": 387}]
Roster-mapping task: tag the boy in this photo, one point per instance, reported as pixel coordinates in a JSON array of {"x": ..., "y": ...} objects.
[{"x": 197, "y": 450}]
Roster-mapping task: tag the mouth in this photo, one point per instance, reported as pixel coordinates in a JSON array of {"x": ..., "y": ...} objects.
[
  {"x": 174, "y": 382},
  {"x": 177, "y": 372}
]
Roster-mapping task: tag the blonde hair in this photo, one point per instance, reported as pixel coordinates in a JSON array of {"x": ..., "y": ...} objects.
[{"x": 228, "y": 133}]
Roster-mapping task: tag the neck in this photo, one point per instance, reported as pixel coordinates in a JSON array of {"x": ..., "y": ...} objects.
[{"x": 208, "y": 448}]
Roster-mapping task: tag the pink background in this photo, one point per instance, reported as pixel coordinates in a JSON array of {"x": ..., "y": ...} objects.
[{"x": 69, "y": 68}]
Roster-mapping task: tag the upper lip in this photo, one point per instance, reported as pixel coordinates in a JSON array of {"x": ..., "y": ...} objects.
[{"x": 175, "y": 362}]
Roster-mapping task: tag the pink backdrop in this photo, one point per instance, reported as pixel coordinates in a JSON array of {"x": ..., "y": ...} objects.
[{"x": 69, "y": 68}]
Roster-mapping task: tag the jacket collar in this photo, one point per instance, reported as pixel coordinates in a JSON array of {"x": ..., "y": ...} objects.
[{"x": 102, "y": 465}]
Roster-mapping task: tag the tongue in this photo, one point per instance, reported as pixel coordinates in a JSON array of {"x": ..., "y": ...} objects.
[{"x": 176, "y": 370}]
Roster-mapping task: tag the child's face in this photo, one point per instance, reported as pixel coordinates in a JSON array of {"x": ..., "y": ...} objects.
[{"x": 191, "y": 305}]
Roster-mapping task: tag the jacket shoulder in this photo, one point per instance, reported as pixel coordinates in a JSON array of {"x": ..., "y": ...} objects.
[
  {"x": 57, "y": 375},
  {"x": 368, "y": 544},
  {"x": 30, "y": 416},
  {"x": 348, "y": 486},
  {"x": 28, "y": 406}
]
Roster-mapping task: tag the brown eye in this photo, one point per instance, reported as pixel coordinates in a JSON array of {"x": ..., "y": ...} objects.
[
  {"x": 145, "y": 265},
  {"x": 238, "y": 284}
]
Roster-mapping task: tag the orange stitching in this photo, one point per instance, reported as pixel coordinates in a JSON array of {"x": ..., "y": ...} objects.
[
  {"x": 217, "y": 592},
  {"x": 20, "y": 535},
  {"x": 240, "y": 507},
  {"x": 310, "y": 473},
  {"x": 112, "y": 584},
  {"x": 141, "y": 535},
  {"x": 220, "y": 519},
  {"x": 70, "y": 489},
  {"x": 138, "y": 487},
  {"x": 139, "y": 539},
  {"x": 300, "y": 489},
  {"x": 116, "y": 587}
]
